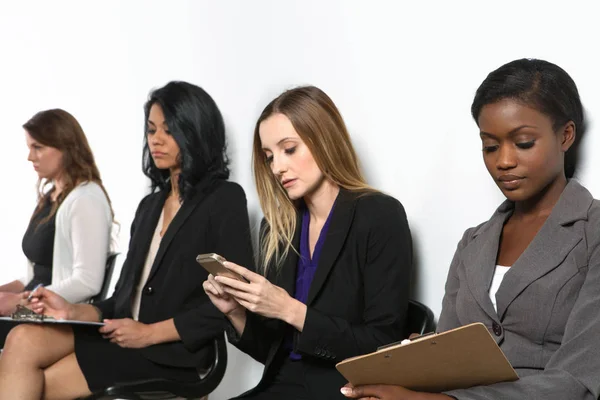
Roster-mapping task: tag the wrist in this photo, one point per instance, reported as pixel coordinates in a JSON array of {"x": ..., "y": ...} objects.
[
  {"x": 294, "y": 314},
  {"x": 236, "y": 313}
]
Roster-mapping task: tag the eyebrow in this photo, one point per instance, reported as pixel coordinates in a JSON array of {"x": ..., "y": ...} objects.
[
  {"x": 154, "y": 124},
  {"x": 281, "y": 141},
  {"x": 510, "y": 133}
]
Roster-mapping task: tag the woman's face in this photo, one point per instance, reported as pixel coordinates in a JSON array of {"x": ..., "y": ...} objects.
[
  {"x": 46, "y": 160},
  {"x": 521, "y": 150},
  {"x": 162, "y": 145},
  {"x": 289, "y": 158}
]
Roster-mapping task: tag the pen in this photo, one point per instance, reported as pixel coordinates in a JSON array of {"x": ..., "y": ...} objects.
[{"x": 39, "y": 285}]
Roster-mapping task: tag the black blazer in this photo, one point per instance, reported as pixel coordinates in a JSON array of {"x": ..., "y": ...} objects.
[
  {"x": 213, "y": 219},
  {"x": 357, "y": 300}
]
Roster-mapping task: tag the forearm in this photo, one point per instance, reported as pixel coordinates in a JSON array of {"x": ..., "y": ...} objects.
[
  {"x": 237, "y": 319},
  {"x": 85, "y": 312},
  {"x": 13, "y": 287}
]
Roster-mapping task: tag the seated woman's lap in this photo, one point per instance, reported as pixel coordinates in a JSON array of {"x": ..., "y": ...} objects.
[{"x": 104, "y": 364}]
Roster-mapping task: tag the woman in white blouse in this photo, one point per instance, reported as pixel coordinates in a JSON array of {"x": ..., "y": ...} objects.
[{"x": 68, "y": 237}]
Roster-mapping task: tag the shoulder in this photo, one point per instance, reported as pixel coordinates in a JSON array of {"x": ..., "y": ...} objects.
[
  {"x": 377, "y": 205},
  {"x": 86, "y": 190},
  {"x": 593, "y": 225},
  {"x": 225, "y": 194},
  {"x": 228, "y": 188},
  {"x": 84, "y": 195}
]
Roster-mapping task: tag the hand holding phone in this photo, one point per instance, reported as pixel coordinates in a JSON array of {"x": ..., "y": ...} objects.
[{"x": 213, "y": 263}]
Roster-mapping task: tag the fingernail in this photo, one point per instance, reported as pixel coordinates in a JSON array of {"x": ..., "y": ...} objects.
[{"x": 346, "y": 391}]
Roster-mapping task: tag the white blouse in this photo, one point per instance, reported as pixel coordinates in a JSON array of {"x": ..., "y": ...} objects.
[
  {"x": 150, "y": 257},
  {"x": 82, "y": 241},
  {"x": 499, "y": 273}
]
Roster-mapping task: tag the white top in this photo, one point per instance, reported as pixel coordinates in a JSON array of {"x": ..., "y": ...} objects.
[
  {"x": 499, "y": 273},
  {"x": 81, "y": 244},
  {"x": 150, "y": 257}
]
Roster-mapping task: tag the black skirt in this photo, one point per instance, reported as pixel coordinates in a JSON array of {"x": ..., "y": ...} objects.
[{"x": 105, "y": 364}]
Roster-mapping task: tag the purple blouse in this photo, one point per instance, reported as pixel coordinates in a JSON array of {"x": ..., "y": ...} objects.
[{"x": 305, "y": 271}]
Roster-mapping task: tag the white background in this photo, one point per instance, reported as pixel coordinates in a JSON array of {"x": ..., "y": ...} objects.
[{"x": 403, "y": 75}]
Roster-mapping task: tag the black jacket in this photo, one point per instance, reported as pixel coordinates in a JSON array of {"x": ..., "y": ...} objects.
[
  {"x": 214, "y": 219},
  {"x": 357, "y": 300}
]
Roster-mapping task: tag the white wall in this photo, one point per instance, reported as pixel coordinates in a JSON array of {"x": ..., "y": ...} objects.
[{"x": 402, "y": 73}]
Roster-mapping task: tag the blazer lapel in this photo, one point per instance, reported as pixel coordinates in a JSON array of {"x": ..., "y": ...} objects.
[
  {"x": 189, "y": 205},
  {"x": 339, "y": 226},
  {"x": 144, "y": 232},
  {"x": 286, "y": 275},
  {"x": 479, "y": 258},
  {"x": 549, "y": 247}
]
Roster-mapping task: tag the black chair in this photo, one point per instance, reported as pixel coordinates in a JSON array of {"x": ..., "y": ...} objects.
[
  {"x": 419, "y": 319},
  {"x": 155, "y": 389},
  {"x": 110, "y": 268}
]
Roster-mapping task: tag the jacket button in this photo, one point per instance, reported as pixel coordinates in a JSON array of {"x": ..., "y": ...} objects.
[
  {"x": 497, "y": 329},
  {"x": 149, "y": 291}
]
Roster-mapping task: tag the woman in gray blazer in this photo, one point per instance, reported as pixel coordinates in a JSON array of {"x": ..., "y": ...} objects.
[{"x": 531, "y": 273}]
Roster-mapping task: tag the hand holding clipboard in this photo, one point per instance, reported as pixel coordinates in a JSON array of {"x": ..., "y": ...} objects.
[{"x": 457, "y": 359}]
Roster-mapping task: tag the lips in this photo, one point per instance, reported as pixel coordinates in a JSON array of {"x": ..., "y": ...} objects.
[
  {"x": 158, "y": 154},
  {"x": 288, "y": 182},
  {"x": 510, "y": 182}
]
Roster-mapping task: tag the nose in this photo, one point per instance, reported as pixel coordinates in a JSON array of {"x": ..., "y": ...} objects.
[
  {"x": 507, "y": 157},
  {"x": 157, "y": 137},
  {"x": 278, "y": 165},
  {"x": 31, "y": 156}
]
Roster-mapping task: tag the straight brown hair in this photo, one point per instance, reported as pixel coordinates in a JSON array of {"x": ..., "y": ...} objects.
[{"x": 59, "y": 129}]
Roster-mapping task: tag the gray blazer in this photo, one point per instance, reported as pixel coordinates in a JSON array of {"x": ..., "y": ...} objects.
[{"x": 548, "y": 319}]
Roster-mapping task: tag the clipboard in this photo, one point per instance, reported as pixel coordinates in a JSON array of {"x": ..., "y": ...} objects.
[
  {"x": 456, "y": 359},
  {"x": 51, "y": 321},
  {"x": 25, "y": 315}
]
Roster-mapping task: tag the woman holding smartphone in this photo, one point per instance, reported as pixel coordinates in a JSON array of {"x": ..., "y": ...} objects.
[
  {"x": 531, "y": 273},
  {"x": 159, "y": 323},
  {"x": 334, "y": 270}
]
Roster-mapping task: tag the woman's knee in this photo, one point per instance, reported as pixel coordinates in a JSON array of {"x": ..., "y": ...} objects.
[{"x": 24, "y": 339}]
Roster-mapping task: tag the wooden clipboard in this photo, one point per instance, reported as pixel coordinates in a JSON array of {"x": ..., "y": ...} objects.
[{"x": 457, "y": 359}]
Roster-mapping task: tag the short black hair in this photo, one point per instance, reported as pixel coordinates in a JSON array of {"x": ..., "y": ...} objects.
[
  {"x": 543, "y": 86},
  {"x": 197, "y": 126}
]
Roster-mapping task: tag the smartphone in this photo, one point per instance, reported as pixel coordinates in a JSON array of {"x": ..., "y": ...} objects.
[{"x": 213, "y": 263}]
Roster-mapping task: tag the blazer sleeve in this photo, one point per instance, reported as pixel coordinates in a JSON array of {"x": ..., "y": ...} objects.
[
  {"x": 107, "y": 306},
  {"x": 259, "y": 332},
  {"x": 573, "y": 372},
  {"x": 386, "y": 283},
  {"x": 89, "y": 223},
  {"x": 448, "y": 318},
  {"x": 230, "y": 228}
]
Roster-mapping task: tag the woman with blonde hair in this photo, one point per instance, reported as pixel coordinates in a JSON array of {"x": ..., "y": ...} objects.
[
  {"x": 68, "y": 238},
  {"x": 335, "y": 258}
]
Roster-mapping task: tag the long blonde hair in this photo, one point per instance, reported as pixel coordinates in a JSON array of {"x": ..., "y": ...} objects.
[{"x": 319, "y": 124}]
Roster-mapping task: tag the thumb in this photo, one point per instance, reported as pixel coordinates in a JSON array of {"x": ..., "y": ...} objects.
[
  {"x": 366, "y": 391},
  {"x": 351, "y": 392}
]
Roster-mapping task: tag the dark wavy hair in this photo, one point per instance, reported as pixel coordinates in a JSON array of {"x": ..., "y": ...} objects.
[
  {"x": 197, "y": 126},
  {"x": 543, "y": 86}
]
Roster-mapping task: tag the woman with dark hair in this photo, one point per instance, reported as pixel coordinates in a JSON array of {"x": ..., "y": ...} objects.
[
  {"x": 159, "y": 323},
  {"x": 335, "y": 255},
  {"x": 531, "y": 273},
  {"x": 68, "y": 238}
]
